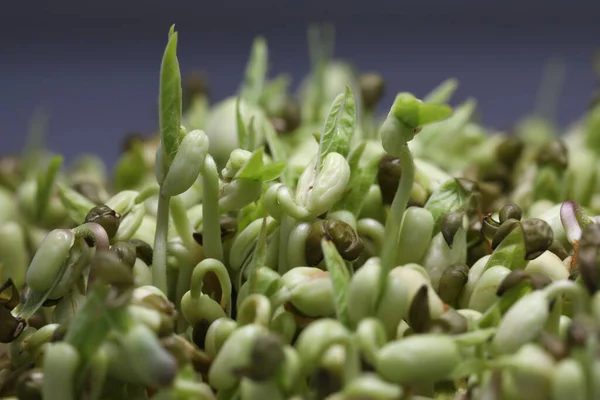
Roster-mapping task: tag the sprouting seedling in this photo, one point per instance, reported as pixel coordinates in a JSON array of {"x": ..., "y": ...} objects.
[
  {"x": 256, "y": 72},
  {"x": 405, "y": 119},
  {"x": 179, "y": 158},
  {"x": 170, "y": 99}
]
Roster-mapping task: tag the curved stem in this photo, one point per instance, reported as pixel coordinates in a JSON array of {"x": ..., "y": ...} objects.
[
  {"x": 182, "y": 223},
  {"x": 211, "y": 224},
  {"x": 216, "y": 266},
  {"x": 394, "y": 220},
  {"x": 95, "y": 232},
  {"x": 159, "y": 259},
  {"x": 576, "y": 293},
  {"x": 287, "y": 224},
  {"x": 372, "y": 229},
  {"x": 370, "y": 337},
  {"x": 255, "y": 309}
]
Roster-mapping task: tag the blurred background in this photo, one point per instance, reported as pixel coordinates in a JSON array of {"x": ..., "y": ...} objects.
[{"x": 93, "y": 67}]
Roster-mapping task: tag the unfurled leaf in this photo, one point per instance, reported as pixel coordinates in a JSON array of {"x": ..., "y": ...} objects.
[
  {"x": 272, "y": 171},
  {"x": 339, "y": 126},
  {"x": 252, "y": 169},
  {"x": 451, "y": 196}
]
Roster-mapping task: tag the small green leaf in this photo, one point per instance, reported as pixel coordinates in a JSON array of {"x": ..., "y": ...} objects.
[
  {"x": 252, "y": 169},
  {"x": 450, "y": 196},
  {"x": 429, "y": 113},
  {"x": 256, "y": 71},
  {"x": 442, "y": 93},
  {"x": 339, "y": 126},
  {"x": 171, "y": 31},
  {"x": 272, "y": 171},
  {"x": 413, "y": 113},
  {"x": 510, "y": 253},
  {"x": 241, "y": 127},
  {"x": 45, "y": 183},
  {"x": 170, "y": 99},
  {"x": 77, "y": 205},
  {"x": 340, "y": 279}
]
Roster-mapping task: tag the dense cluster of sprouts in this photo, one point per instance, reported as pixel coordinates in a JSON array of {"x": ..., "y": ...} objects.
[{"x": 273, "y": 246}]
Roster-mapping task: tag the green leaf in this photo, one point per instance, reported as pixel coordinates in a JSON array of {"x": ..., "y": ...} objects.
[
  {"x": 450, "y": 196},
  {"x": 171, "y": 31},
  {"x": 272, "y": 171},
  {"x": 510, "y": 253},
  {"x": 361, "y": 179},
  {"x": 340, "y": 279},
  {"x": 45, "y": 183},
  {"x": 241, "y": 127},
  {"x": 252, "y": 169},
  {"x": 170, "y": 99},
  {"x": 443, "y": 92},
  {"x": 256, "y": 71},
  {"x": 429, "y": 113},
  {"x": 414, "y": 114},
  {"x": 77, "y": 205},
  {"x": 339, "y": 126}
]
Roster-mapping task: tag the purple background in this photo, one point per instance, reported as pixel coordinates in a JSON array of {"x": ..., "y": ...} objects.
[{"x": 94, "y": 65}]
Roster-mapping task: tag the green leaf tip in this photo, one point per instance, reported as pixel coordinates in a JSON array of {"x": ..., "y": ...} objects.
[
  {"x": 256, "y": 71},
  {"x": 339, "y": 126},
  {"x": 170, "y": 99},
  {"x": 171, "y": 31},
  {"x": 443, "y": 92}
]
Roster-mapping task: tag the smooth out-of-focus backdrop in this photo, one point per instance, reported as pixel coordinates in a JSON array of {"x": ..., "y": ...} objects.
[{"x": 94, "y": 66}]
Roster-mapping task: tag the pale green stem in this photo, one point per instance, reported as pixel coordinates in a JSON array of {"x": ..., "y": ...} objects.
[
  {"x": 394, "y": 220},
  {"x": 159, "y": 259},
  {"x": 287, "y": 224},
  {"x": 211, "y": 224}
]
